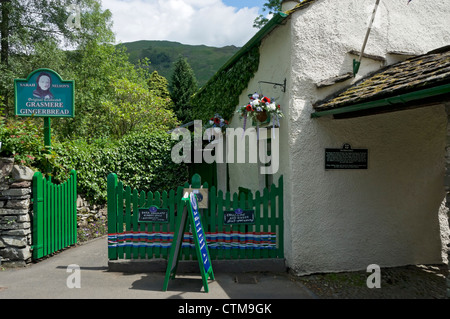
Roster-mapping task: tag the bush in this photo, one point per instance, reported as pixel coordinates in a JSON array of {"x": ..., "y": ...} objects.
[
  {"x": 141, "y": 160},
  {"x": 23, "y": 139}
]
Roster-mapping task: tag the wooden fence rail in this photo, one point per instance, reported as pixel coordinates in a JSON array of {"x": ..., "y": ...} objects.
[{"x": 128, "y": 238}]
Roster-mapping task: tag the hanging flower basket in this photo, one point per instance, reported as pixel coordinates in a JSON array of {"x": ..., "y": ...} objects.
[
  {"x": 261, "y": 116},
  {"x": 216, "y": 125},
  {"x": 259, "y": 109}
]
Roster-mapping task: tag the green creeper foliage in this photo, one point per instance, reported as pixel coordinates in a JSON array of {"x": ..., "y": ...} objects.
[{"x": 221, "y": 94}]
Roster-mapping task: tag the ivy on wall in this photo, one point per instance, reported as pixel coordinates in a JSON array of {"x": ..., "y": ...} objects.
[{"x": 221, "y": 94}]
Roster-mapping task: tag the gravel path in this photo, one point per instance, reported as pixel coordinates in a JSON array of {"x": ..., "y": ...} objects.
[{"x": 409, "y": 282}]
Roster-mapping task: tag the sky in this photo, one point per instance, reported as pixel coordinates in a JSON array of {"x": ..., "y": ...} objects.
[{"x": 215, "y": 23}]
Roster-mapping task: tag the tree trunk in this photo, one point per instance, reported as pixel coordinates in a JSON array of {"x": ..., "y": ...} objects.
[
  {"x": 4, "y": 43},
  {"x": 4, "y": 32}
]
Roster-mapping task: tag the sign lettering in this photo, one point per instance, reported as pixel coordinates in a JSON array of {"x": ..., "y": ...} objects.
[
  {"x": 239, "y": 216},
  {"x": 346, "y": 158},
  {"x": 153, "y": 214}
]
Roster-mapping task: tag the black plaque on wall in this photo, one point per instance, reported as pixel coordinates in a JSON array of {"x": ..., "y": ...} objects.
[{"x": 346, "y": 158}]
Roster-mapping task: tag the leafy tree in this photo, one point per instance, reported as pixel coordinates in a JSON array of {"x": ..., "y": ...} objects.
[
  {"x": 183, "y": 86},
  {"x": 272, "y": 6},
  {"x": 94, "y": 69},
  {"x": 135, "y": 108},
  {"x": 159, "y": 85},
  {"x": 117, "y": 104},
  {"x": 38, "y": 29}
]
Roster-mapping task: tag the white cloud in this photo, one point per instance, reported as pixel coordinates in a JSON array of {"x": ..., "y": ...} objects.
[{"x": 208, "y": 22}]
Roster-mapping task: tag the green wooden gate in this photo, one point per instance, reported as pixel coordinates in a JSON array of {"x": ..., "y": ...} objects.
[
  {"x": 54, "y": 214},
  {"x": 130, "y": 239}
]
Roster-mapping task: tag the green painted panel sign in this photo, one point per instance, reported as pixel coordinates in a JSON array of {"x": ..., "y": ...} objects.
[{"x": 43, "y": 93}]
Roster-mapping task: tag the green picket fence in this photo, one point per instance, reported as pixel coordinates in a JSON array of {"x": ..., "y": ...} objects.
[
  {"x": 130, "y": 239},
  {"x": 54, "y": 214}
]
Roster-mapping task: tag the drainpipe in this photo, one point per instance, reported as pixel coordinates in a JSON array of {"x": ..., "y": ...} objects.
[{"x": 356, "y": 64}]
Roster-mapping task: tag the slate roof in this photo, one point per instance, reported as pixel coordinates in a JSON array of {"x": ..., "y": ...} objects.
[{"x": 421, "y": 72}]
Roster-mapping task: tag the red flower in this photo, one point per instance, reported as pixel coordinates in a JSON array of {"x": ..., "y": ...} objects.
[
  {"x": 279, "y": 106},
  {"x": 249, "y": 108},
  {"x": 265, "y": 100},
  {"x": 216, "y": 120}
]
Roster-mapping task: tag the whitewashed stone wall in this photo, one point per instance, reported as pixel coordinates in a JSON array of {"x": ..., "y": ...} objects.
[{"x": 346, "y": 220}]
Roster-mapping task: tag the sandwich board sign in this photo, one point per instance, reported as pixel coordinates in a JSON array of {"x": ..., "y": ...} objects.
[{"x": 191, "y": 214}]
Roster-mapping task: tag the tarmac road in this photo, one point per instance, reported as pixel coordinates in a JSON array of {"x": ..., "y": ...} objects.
[{"x": 52, "y": 279}]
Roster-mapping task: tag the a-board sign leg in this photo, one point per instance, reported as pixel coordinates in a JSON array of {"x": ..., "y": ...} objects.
[
  {"x": 205, "y": 283},
  {"x": 166, "y": 283}
]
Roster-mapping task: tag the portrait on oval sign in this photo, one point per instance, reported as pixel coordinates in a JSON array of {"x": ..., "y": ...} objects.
[{"x": 43, "y": 83}]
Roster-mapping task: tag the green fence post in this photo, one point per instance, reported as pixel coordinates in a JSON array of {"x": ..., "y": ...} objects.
[
  {"x": 196, "y": 181},
  {"x": 120, "y": 216},
  {"x": 38, "y": 218},
  {"x": 73, "y": 205},
  {"x": 134, "y": 221},
  {"x": 112, "y": 212},
  {"x": 128, "y": 219}
]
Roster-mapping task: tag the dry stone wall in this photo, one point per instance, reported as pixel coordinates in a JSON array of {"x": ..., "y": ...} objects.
[{"x": 15, "y": 213}]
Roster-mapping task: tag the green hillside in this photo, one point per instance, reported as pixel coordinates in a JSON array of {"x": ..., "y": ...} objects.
[{"x": 204, "y": 60}]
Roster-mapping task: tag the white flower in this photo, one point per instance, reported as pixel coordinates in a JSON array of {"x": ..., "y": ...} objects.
[
  {"x": 255, "y": 96},
  {"x": 255, "y": 102},
  {"x": 272, "y": 107}
]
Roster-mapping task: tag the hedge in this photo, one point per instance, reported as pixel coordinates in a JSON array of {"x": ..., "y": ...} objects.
[{"x": 141, "y": 160}]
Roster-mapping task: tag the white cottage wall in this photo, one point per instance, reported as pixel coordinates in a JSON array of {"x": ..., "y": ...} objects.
[
  {"x": 324, "y": 33},
  {"x": 274, "y": 67},
  {"x": 347, "y": 219},
  {"x": 387, "y": 214}
]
